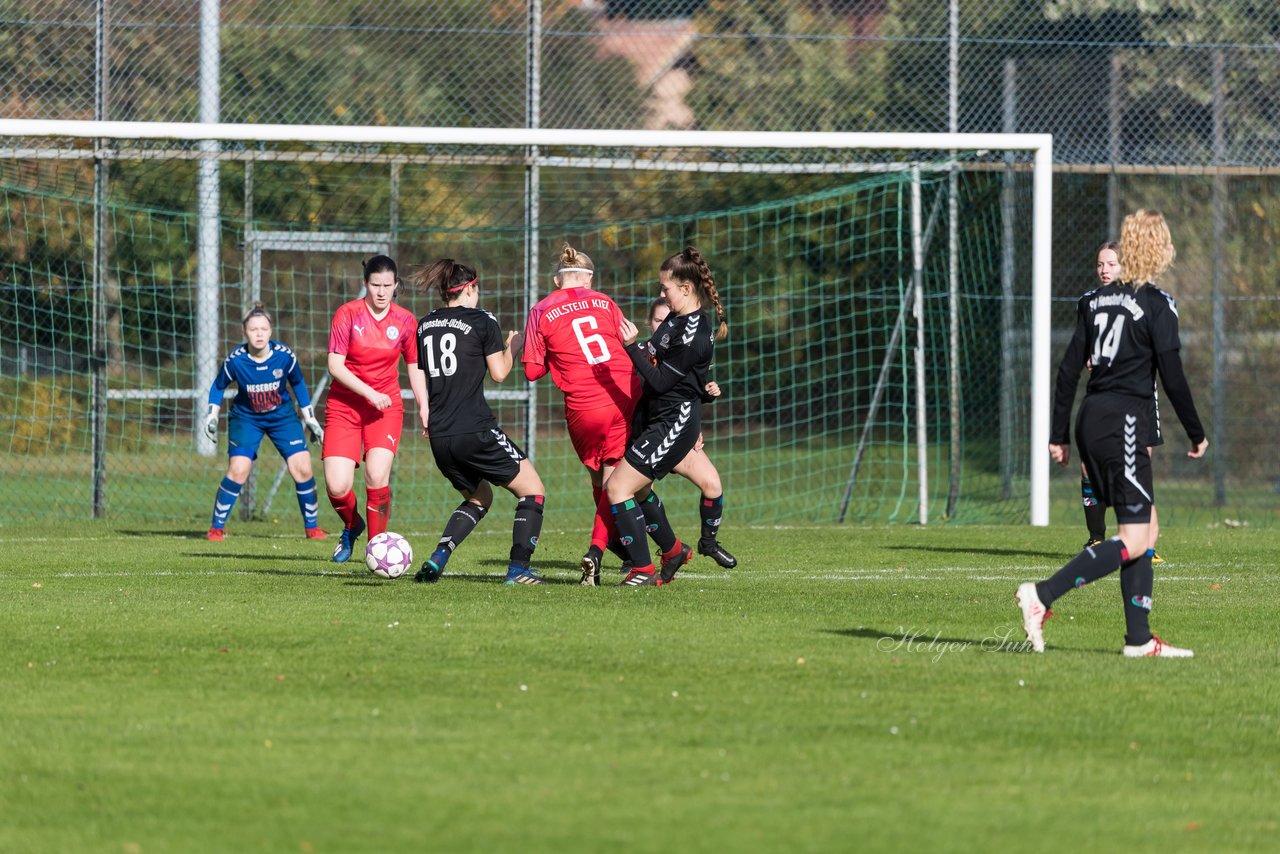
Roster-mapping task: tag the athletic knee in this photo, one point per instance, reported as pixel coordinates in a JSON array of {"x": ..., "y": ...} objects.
[
  {"x": 1135, "y": 542},
  {"x": 300, "y": 467},
  {"x": 617, "y": 491}
]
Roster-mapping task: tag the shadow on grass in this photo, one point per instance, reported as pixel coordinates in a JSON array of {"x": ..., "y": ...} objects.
[
  {"x": 497, "y": 579},
  {"x": 181, "y": 535},
  {"x": 1062, "y": 556},
  {"x": 254, "y": 556},
  {"x": 194, "y": 535}
]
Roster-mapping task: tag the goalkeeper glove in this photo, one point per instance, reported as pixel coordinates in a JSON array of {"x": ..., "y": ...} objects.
[
  {"x": 211, "y": 422},
  {"x": 313, "y": 426}
]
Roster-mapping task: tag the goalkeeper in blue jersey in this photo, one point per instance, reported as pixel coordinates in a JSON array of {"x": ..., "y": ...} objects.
[{"x": 264, "y": 370}]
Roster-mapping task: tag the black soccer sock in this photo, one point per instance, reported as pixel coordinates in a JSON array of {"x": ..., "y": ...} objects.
[
  {"x": 462, "y": 522},
  {"x": 1136, "y": 580},
  {"x": 1088, "y": 566},
  {"x": 1095, "y": 512},
  {"x": 711, "y": 509},
  {"x": 619, "y": 551},
  {"x": 526, "y": 528},
  {"x": 656, "y": 524},
  {"x": 630, "y": 521}
]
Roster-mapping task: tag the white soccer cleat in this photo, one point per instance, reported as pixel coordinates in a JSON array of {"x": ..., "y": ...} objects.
[
  {"x": 1156, "y": 648},
  {"x": 1033, "y": 615}
]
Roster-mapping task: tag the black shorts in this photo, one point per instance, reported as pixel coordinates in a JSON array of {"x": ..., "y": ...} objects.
[
  {"x": 468, "y": 458},
  {"x": 1110, "y": 430},
  {"x": 658, "y": 446}
]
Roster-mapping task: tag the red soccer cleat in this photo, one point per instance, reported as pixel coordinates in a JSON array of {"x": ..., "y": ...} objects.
[
  {"x": 317, "y": 534},
  {"x": 216, "y": 534}
]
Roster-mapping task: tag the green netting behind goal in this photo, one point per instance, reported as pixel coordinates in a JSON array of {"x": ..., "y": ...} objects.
[{"x": 825, "y": 365}]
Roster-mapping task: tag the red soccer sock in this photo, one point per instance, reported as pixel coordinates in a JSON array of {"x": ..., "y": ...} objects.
[
  {"x": 346, "y": 507},
  {"x": 603, "y": 529},
  {"x": 378, "y": 509}
]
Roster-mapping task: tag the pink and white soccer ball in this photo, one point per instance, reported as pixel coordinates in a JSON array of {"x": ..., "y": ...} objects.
[{"x": 388, "y": 555}]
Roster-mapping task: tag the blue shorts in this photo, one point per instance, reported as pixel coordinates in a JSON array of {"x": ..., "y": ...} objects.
[{"x": 245, "y": 433}]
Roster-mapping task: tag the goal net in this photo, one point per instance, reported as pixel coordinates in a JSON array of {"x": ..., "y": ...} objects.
[{"x": 887, "y": 299}]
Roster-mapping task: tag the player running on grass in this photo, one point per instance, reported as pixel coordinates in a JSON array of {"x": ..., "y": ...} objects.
[
  {"x": 264, "y": 370},
  {"x": 457, "y": 346},
  {"x": 365, "y": 413},
  {"x": 1132, "y": 332},
  {"x": 673, "y": 365},
  {"x": 1095, "y": 511}
]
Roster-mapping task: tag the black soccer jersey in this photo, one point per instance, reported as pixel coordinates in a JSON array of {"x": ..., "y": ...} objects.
[
  {"x": 674, "y": 362},
  {"x": 1123, "y": 332},
  {"x": 452, "y": 346}
]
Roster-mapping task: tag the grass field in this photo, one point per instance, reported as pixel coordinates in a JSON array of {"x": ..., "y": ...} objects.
[{"x": 843, "y": 689}]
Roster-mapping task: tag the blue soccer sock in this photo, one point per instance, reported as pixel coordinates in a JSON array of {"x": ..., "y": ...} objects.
[
  {"x": 228, "y": 492},
  {"x": 307, "y": 503}
]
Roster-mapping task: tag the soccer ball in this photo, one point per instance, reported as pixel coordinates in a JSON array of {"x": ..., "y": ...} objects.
[{"x": 388, "y": 555}]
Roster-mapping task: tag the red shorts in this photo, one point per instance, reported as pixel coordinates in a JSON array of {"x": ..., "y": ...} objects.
[
  {"x": 349, "y": 429},
  {"x": 599, "y": 435}
]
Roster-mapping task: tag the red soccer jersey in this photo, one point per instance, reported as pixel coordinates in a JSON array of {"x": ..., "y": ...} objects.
[
  {"x": 373, "y": 348},
  {"x": 574, "y": 333}
]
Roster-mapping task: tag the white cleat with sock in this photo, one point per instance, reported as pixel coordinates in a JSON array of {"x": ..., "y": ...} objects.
[
  {"x": 1156, "y": 648},
  {"x": 1033, "y": 615}
]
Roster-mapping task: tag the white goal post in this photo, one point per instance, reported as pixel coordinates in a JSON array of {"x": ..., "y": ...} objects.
[{"x": 1040, "y": 146}]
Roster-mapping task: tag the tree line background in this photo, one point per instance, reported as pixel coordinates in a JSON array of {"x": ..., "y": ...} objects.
[{"x": 1149, "y": 106}]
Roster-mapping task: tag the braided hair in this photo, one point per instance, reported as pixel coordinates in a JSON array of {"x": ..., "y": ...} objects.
[{"x": 689, "y": 266}]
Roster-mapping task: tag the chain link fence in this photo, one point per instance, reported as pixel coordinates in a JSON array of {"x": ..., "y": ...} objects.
[{"x": 1169, "y": 105}]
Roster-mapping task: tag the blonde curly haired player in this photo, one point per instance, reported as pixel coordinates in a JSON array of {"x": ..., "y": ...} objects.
[
  {"x": 1129, "y": 329},
  {"x": 1108, "y": 269}
]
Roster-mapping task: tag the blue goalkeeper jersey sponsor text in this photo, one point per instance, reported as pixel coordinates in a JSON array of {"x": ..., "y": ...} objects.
[{"x": 263, "y": 386}]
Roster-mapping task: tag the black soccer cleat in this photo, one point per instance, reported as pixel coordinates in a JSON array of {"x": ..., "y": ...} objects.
[
  {"x": 430, "y": 572},
  {"x": 1092, "y": 541},
  {"x": 590, "y": 565},
  {"x": 672, "y": 564},
  {"x": 640, "y": 578},
  {"x": 717, "y": 552}
]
